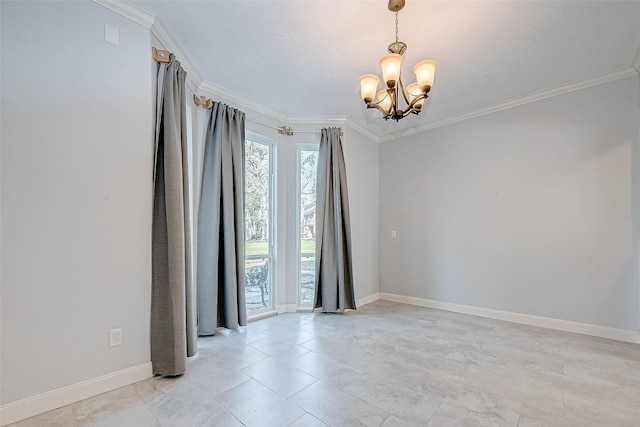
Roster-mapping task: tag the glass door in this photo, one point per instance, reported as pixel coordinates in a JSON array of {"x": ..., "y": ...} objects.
[{"x": 259, "y": 225}]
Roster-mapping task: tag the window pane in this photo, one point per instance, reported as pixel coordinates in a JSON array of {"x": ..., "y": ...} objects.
[
  {"x": 307, "y": 280},
  {"x": 307, "y": 165},
  {"x": 257, "y": 194},
  {"x": 257, "y": 275},
  {"x": 308, "y": 168},
  {"x": 258, "y": 221}
]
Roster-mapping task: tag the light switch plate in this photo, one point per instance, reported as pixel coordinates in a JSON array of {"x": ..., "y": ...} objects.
[{"x": 112, "y": 34}]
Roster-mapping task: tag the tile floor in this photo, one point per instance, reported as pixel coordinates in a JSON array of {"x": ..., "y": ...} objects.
[{"x": 386, "y": 364}]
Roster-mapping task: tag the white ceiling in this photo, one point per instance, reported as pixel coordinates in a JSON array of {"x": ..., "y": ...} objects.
[{"x": 305, "y": 57}]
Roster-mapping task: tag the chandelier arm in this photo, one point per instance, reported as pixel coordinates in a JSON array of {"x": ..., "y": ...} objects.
[
  {"x": 394, "y": 101},
  {"x": 409, "y": 111},
  {"x": 404, "y": 92},
  {"x": 377, "y": 106},
  {"x": 417, "y": 99}
]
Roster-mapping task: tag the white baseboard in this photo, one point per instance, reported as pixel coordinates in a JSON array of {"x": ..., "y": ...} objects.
[
  {"x": 263, "y": 315},
  {"x": 287, "y": 308},
  {"x": 527, "y": 319},
  {"x": 368, "y": 299},
  {"x": 293, "y": 308},
  {"x": 31, "y": 406}
]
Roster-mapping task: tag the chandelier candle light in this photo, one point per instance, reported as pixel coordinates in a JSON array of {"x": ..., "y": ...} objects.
[{"x": 388, "y": 100}]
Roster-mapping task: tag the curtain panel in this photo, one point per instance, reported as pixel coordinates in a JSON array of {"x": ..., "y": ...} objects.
[
  {"x": 334, "y": 278},
  {"x": 220, "y": 267},
  {"x": 173, "y": 320}
]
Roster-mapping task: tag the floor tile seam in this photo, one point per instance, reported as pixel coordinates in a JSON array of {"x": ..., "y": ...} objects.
[
  {"x": 375, "y": 405},
  {"x": 267, "y": 356},
  {"x": 305, "y": 412},
  {"x": 300, "y": 391},
  {"x": 151, "y": 411},
  {"x": 227, "y": 409},
  {"x": 435, "y": 412},
  {"x": 300, "y": 370},
  {"x": 305, "y": 341},
  {"x": 213, "y": 396},
  {"x": 286, "y": 398},
  {"x": 342, "y": 390}
]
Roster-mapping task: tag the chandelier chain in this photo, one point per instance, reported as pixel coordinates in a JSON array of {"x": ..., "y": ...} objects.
[{"x": 396, "y": 26}]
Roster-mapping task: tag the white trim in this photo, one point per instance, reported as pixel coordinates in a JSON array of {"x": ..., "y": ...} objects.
[
  {"x": 25, "y": 408},
  {"x": 319, "y": 120},
  {"x": 364, "y": 131},
  {"x": 520, "y": 100},
  {"x": 526, "y": 319},
  {"x": 128, "y": 10},
  {"x": 194, "y": 78},
  {"x": 367, "y": 300},
  {"x": 262, "y": 315},
  {"x": 287, "y": 308},
  {"x": 219, "y": 92}
]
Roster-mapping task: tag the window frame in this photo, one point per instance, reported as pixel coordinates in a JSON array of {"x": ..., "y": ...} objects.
[{"x": 261, "y": 139}]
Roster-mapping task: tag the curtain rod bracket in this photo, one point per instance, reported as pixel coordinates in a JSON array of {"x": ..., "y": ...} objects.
[
  {"x": 202, "y": 101},
  {"x": 161, "y": 55},
  {"x": 285, "y": 130}
]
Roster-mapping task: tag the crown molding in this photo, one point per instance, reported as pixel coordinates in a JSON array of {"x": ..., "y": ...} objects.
[
  {"x": 521, "y": 100},
  {"x": 316, "y": 120},
  {"x": 234, "y": 98},
  {"x": 331, "y": 120},
  {"x": 364, "y": 131},
  {"x": 194, "y": 78},
  {"x": 129, "y": 10}
]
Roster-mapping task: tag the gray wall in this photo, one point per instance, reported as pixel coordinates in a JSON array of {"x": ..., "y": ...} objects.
[
  {"x": 531, "y": 210},
  {"x": 361, "y": 160},
  {"x": 77, "y": 157}
]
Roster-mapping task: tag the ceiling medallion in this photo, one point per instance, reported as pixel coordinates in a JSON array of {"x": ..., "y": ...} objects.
[{"x": 388, "y": 100}]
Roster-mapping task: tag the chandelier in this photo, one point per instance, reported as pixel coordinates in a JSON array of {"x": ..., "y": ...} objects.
[{"x": 388, "y": 100}]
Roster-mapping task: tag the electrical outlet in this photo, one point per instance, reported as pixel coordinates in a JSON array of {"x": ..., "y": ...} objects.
[
  {"x": 393, "y": 233},
  {"x": 115, "y": 337}
]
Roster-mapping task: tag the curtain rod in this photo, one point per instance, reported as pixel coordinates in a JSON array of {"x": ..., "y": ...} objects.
[{"x": 203, "y": 101}]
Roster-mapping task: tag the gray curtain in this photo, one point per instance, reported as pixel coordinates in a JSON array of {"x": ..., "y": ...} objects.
[
  {"x": 173, "y": 321},
  {"x": 220, "y": 277},
  {"x": 334, "y": 279}
]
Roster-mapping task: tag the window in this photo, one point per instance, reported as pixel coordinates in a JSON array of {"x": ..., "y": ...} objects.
[
  {"x": 307, "y": 169},
  {"x": 259, "y": 248}
]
